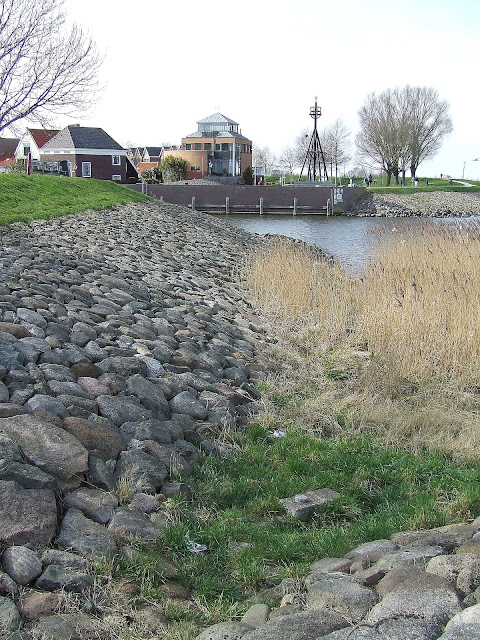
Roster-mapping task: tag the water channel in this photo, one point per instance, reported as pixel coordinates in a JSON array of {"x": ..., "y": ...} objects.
[{"x": 349, "y": 239}]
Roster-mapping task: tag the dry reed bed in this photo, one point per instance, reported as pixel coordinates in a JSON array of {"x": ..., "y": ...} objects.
[{"x": 406, "y": 333}]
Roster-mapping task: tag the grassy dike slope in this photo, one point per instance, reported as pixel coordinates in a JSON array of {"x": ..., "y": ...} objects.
[{"x": 24, "y": 198}]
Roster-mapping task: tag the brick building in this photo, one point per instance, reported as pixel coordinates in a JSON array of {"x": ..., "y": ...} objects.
[
  {"x": 88, "y": 152},
  {"x": 217, "y": 148}
]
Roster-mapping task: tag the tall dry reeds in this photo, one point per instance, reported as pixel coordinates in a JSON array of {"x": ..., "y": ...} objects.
[
  {"x": 421, "y": 300},
  {"x": 311, "y": 299},
  {"x": 413, "y": 314}
]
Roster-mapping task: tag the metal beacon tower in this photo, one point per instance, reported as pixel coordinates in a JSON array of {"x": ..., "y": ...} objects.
[{"x": 314, "y": 158}]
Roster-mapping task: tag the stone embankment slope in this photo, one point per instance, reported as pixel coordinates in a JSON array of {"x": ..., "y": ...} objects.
[
  {"x": 126, "y": 346},
  {"x": 433, "y": 204}
]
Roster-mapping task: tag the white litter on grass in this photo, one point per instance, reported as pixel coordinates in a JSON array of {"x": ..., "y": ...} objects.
[
  {"x": 278, "y": 434},
  {"x": 195, "y": 547}
]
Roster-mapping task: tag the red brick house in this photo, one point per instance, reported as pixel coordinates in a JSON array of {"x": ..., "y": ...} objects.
[{"x": 88, "y": 152}]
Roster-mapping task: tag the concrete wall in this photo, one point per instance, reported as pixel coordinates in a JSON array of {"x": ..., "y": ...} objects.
[{"x": 247, "y": 197}]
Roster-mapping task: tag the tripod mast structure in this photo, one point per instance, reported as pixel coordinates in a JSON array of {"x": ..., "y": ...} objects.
[{"x": 314, "y": 158}]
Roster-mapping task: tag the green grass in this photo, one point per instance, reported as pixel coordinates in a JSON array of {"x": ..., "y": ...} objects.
[
  {"x": 253, "y": 544},
  {"x": 24, "y": 198}
]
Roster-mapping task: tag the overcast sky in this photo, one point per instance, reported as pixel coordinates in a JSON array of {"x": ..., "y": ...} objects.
[{"x": 169, "y": 64}]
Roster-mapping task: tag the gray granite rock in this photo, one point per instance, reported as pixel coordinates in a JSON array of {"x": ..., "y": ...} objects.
[
  {"x": 144, "y": 472},
  {"x": 128, "y": 522},
  {"x": 432, "y": 605},
  {"x": 186, "y": 403},
  {"x": 342, "y": 593},
  {"x": 307, "y": 625},
  {"x": 27, "y": 516},
  {"x": 22, "y": 564},
  {"x": 9, "y": 616},
  {"x": 120, "y": 409},
  {"x": 83, "y": 536},
  {"x": 96, "y": 435},
  {"x": 225, "y": 631},
  {"x": 95, "y": 504},
  {"x": 46, "y": 446},
  {"x": 56, "y": 577}
]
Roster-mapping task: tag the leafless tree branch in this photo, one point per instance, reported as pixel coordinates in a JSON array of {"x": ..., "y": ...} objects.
[{"x": 45, "y": 69}]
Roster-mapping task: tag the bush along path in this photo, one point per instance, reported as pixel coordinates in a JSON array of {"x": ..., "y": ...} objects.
[{"x": 125, "y": 351}]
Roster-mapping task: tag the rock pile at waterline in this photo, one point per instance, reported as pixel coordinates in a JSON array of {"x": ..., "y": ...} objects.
[{"x": 437, "y": 204}]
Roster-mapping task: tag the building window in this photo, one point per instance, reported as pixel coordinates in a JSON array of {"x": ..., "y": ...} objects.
[
  {"x": 217, "y": 146},
  {"x": 116, "y": 160},
  {"x": 117, "y": 177},
  {"x": 207, "y": 146},
  {"x": 26, "y": 150},
  {"x": 188, "y": 146},
  {"x": 197, "y": 146},
  {"x": 224, "y": 146},
  {"x": 194, "y": 168},
  {"x": 86, "y": 169}
]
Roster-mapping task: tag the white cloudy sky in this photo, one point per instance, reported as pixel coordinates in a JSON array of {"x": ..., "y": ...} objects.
[{"x": 261, "y": 63}]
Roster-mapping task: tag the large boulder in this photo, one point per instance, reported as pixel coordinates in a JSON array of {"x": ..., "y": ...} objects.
[
  {"x": 27, "y": 516},
  {"x": 340, "y": 592},
  {"x": 97, "y": 436},
  {"x": 83, "y": 536},
  {"x": 47, "y": 446}
]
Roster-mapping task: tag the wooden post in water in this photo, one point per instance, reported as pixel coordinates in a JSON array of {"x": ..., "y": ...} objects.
[
  {"x": 227, "y": 205},
  {"x": 294, "y": 206},
  {"x": 193, "y": 203},
  {"x": 261, "y": 206}
]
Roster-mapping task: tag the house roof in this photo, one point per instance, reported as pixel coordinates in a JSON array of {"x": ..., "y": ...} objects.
[
  {"x": 7, "y": 160},
  {"x": 145, "y": 166},
  {"x": 41, "y": 136},
  {"x": 218, "y": 134},
  {"x": 8, "y": 146},
  {"x": 154, "y": 151},
  {"x": 76, "y": 137},
  {"x": 216, "y": 118}
]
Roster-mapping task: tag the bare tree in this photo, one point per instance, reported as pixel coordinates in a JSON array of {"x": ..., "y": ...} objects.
[
  {"x": 339, "y": 145},
  {"x": 429, "y": 122},
  {"x": 45, "y": 68},
  {"x": 378, "y": 139},
  {"x": 402, "y": 127},
  {"x": 265, "y": 158},
  {"x": 288, "y": 160}
]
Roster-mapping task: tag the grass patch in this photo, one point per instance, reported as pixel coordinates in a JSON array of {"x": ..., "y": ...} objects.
[
  {"x": 24, "y": 198},
  {"x": 253, "y": 544}
]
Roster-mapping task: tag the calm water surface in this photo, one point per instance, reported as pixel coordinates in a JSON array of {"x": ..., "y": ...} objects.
[{"x": 349, "y": 239}]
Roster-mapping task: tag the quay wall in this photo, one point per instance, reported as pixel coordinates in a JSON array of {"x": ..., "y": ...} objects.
[{"x": 247, "y": 198}]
